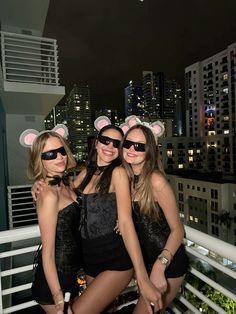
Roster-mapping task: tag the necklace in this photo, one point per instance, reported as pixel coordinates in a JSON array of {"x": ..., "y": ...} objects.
[
  {"x": 136, "y": 179},
  {"x": 57, "y": 180},
  {"x": 100, "y": 169}
]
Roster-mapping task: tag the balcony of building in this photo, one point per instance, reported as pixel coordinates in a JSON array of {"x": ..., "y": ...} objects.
[
  {"x": 29, "y": 72},
  {"x": 209, "y": 287}
]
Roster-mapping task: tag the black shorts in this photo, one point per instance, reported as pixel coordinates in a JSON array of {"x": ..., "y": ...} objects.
[
  {"x": 178, "y": 266},
  {"x": 105, "y": 253}
]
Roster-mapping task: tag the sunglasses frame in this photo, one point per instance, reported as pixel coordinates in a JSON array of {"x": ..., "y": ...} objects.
[
  {"x": 52, "y": 154},
  {"x": 138, "y": 147},
  {"x": 106, "y": 140}
]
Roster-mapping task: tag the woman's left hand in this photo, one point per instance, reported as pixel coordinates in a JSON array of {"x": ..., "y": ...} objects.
[{"x": 158, "y": 277}]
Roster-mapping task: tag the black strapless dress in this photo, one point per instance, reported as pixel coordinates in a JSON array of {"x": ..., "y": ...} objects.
[
  {"x": 103, "y": 249},
  {"x": 68, "y": 256},
  {"x": 152, "y": 237}
]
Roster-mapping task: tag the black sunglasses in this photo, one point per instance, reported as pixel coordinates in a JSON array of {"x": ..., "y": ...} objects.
[
  {"x": 138, "y": 147},
  {"x": 107, "y": 140},
  {"x": 52, "y": 154}
]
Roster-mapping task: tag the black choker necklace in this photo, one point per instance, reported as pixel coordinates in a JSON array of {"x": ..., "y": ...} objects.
[
  {"x": 136, "y": 179},
  {"x": 56, "y": 180},
  {"x": 100, "y": 169}
]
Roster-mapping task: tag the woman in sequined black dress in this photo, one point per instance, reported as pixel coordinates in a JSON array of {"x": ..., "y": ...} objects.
[
  {"x": 104, "y": 190},
  {"x": 58, "y": 213},
  {"x": 155, "y": 213}
]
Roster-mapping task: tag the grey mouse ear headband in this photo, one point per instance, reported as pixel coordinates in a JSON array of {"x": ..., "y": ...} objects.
[
  {"x": 100, "y": 122},
  {"x": 28, "y": 136},
  {"x": 156, "y": 127}
]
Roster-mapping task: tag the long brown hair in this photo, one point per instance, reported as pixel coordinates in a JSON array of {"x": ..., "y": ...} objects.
[
  {"x": 143, "y": 188},
  {"x": 36, "y": 169}
]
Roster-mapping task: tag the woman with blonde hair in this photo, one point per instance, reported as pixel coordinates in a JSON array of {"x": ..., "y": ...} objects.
[
  {"x": 59, "y": 260},
  {"x": 155, "y": 212}
]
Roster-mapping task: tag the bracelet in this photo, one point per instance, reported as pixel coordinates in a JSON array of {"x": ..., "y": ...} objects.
[
  {"x": 171, "y": 255},
  {"x": 58, "y": 297}
]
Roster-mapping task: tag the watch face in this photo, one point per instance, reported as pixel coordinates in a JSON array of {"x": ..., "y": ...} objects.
[{"x": 163, "y": 260}]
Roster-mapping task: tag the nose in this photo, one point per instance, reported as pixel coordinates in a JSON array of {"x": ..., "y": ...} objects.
[
  {"x": 110, "y": 144},
  {"x": 59, "y": 155},
  {"x": 132, "y": 147}
]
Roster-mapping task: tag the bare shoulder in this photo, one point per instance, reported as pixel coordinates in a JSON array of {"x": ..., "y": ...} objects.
[
  {"x": 119, "y": 172},
  {"x": 159, "y": 181},
  {"x": 48, "y": 195}
]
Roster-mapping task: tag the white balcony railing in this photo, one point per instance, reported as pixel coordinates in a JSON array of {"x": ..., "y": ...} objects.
[
  {"x": 202, "y": 248},
  {"x": 21, "y": 210},
  {"x": 29, "y": 59}
]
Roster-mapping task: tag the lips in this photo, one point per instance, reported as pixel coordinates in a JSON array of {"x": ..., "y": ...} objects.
[{"x": 108, "y": 152}]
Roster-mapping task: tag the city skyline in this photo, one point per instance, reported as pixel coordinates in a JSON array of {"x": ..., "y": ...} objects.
[{"x": 107, "y": 43}]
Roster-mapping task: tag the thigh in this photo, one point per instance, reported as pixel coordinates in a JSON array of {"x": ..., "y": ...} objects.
[
  {"x": 49, "y": 309},
  {"x": 173, "y": 288},
  {"x": 102, "y": 291}
]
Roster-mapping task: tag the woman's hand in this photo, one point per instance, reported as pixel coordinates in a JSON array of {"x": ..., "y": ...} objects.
[
  {"x": 151, "y": 296},
  {"x": 158, "y": 276},
  {"x": 37, "y": 187}
]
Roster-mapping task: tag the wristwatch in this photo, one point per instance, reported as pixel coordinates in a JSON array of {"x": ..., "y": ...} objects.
[{"x": 164, "y": 260}]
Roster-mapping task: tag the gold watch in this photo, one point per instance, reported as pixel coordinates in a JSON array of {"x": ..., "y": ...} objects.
[{"x": 164, "y": 260}]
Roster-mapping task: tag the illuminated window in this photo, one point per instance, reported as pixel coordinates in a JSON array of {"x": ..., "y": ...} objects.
[
  {"x": 211, "y": 132},
  {"x": 190, "y": 159},
  {"x": 225, "y": 77},
  {"x": 169, "y": 153},
  {"x": 180, "y": 166},
  {"x": 191, "y": 218},
  {"x": 226, "y": 131},
  {"x": 190, "y": 151},
  {"x": 226, "y": 118},
  {"x": 226, "y": 90},
  {"x": 196, "y": 219}
]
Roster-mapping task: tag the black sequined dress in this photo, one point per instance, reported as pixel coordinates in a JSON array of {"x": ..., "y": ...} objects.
[
  {"x": 152, "y": 237},
  {"x": 103, "y": 249},
  {"x": 68, "y": 256}
]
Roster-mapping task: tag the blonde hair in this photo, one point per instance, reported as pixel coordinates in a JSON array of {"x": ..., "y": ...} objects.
[
  {"x": 143, "y": 188},
  {"x": 36, "y": 169}
]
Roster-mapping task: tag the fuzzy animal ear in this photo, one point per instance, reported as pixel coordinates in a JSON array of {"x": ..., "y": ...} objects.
[
  {"x": 61, "y": 129},
  {"x": 158, "y": 128},
  {"x": 27, "y": 137},
  {"x": 100, "y": 122},
  {"x": 124, "y": 127},
  {"x": 132, "y": 120}
]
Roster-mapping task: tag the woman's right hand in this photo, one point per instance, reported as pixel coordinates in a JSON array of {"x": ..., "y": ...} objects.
[
  {"x": 37, "y": 187},
  {"x": 151, "y": 296}
]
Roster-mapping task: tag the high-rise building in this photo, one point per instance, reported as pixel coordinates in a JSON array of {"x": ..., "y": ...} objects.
[
  {"x": 57, "y": 115},
  {"x": 79, "y": 119},
  {"x": 134, "y": 104},
  {"x": 211, "y": 107},
  {"x": 153, "y": 93},
  {"x": 163, "y": 100},
  {"x": 210, "y": 95},
  {"x": 112, "y": 114}
]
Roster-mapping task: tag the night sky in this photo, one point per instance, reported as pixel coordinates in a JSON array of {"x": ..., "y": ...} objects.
[{"x": 106, "y": 43}]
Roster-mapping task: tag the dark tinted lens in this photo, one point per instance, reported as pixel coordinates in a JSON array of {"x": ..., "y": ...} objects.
[
  {"x": 116, "y": 143},
  {"x": 139, "y": 147},
  {"x": 52, "y": 154},
  {"x": 107, "y": 140}
]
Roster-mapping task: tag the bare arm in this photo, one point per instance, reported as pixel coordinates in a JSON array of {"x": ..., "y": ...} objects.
[
  {"x": 79, "y": 178},
  {"x": 47, "y": 209},
  {"x": 121, "y": 185},
  {"x": 164, "y": 195}
]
